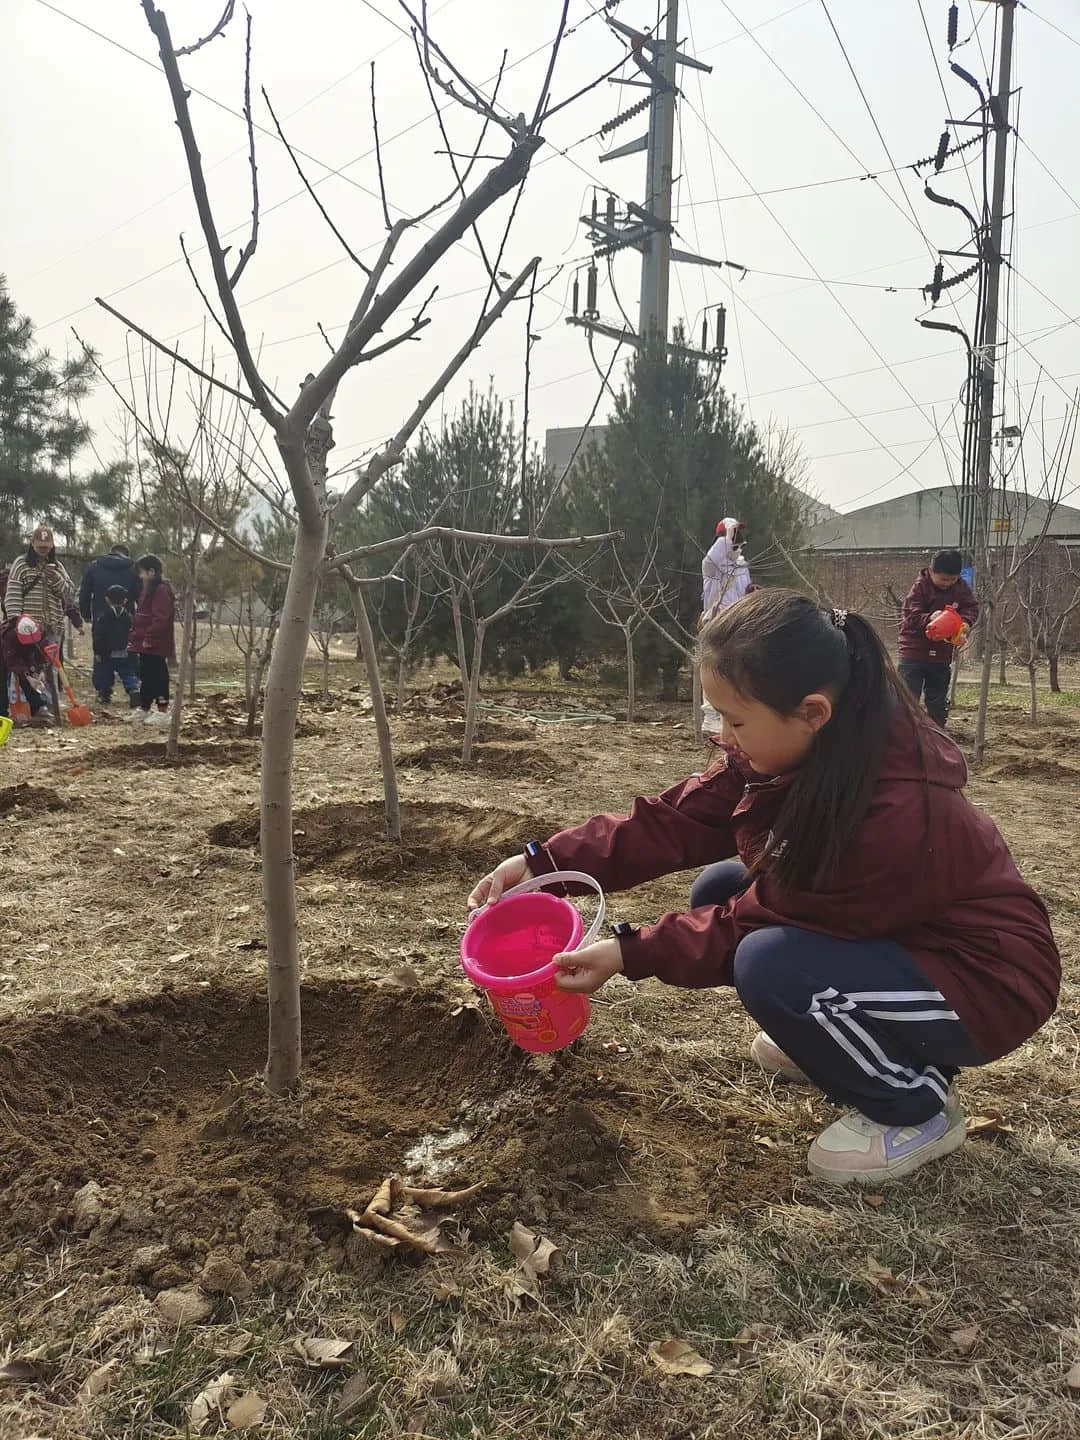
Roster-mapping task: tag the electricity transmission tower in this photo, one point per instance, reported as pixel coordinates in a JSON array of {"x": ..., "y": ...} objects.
[{"x": 647, "y": 228}]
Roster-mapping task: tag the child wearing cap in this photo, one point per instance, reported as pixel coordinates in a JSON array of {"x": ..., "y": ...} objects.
[{"x": 25, "y": 662}]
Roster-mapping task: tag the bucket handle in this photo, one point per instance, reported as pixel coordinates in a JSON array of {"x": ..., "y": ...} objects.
[{"x": 566, "y": 877}]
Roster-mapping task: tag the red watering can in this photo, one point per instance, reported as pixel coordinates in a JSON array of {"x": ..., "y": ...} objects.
[{"x": 947, "y": 626}]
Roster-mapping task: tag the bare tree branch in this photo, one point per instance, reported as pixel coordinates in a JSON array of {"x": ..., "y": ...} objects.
[
  {"x": 202, "y": 293},
  {"x": 473, "y": 537},
  {"x": 378, "y": 151},
  {"x": 310, "y": 189},
  {"x": 249, "y": 249},
  {"x": 219, "y": 29},
  {"x": 474, "y": 99},
  {"x": 546, "y": 88},
  {"x": 160, "y": 28},
  {"x": 173, "y": 354},
  {"x": 392, "y": 453},
  {"x": 497, "y": 182}
]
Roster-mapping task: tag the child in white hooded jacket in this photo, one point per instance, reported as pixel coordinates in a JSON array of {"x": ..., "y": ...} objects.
[{"x": 725, "y": 578}]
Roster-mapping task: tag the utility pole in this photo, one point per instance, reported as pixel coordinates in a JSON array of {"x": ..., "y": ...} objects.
[
  {"x": 647, "y": 227},
  {"x": 988, "y": 337},
  {"x": 656, "y": 257}
]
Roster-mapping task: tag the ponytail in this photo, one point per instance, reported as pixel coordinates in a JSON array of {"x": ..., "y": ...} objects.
[{"x": 777, "y": 647}]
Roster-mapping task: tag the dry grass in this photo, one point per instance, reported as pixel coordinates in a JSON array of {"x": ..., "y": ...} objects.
[{"x": 764, "y": 1272}]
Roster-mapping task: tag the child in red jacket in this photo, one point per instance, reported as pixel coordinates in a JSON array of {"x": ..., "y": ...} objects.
[
  {"x": 872, "y": 921},
  {"x": 153, "y": 641},
  {"x": 925, "y": 664}
]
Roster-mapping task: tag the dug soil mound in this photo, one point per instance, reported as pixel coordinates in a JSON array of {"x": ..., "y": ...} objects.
[
  {"x": 145, "y": 1132},
  {"x": 151, "y": 755},
  {"x": 487, "y": 730},
  {"x": 1023, "y": 765},
  {"x": 350, "y": 839},
  {"x": 505, "y": 762},
  {"x": 29, "y": 799}
]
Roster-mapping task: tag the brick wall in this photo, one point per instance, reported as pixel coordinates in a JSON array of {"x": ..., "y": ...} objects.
[{"x": 874, "y": 582}]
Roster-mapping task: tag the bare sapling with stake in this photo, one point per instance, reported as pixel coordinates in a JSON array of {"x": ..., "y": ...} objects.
[{"x": 302, "y": 429}]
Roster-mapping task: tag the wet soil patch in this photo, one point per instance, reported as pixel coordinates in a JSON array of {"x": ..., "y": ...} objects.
[{"x": 437, "y": 838}]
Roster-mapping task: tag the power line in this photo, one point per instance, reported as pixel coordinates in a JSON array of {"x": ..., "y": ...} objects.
[
  {"x": 240, "y": 150},
  {"x": 1063, "y": 33}
]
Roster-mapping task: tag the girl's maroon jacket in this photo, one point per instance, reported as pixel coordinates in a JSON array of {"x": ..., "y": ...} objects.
[
  {"x": 927, "y": 870},
  {"x": 152, "y": 630}
]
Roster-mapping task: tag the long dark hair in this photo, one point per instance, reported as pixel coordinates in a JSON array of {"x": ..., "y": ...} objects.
[
  {"x": 777, "y": 646},
  {"x": 154, "y": 565}
]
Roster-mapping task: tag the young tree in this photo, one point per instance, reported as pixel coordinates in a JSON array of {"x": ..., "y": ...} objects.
[{"x": 303, "y": 436}]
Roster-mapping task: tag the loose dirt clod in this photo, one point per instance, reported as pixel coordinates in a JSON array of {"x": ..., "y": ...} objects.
[{"x": 26, "y": 799}]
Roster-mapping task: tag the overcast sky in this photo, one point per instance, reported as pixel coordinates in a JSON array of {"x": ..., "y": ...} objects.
[{"x": 97, "y": 196}]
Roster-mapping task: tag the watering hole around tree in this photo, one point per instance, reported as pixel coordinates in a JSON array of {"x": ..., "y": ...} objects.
[
  {"x": 160, "y": 1104},
  {"x": 441, "y": 837}
]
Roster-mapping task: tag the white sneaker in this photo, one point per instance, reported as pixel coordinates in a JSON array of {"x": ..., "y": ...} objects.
[
  {"x": 765, "y": 1052},
  {"x": 857, "y": 1150},
  {"x": 158, "y": 720}
]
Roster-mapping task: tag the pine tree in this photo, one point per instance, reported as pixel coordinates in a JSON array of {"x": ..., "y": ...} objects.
[
  {"x": 41, "y": 435},
  {"x": 679, "y": 455}
]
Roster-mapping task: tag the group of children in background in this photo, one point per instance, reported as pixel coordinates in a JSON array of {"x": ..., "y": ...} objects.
[{"x": 131, "y": 609}]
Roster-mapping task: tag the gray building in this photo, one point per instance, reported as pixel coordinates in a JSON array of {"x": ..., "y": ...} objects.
[{"x": 929, "y": 520}]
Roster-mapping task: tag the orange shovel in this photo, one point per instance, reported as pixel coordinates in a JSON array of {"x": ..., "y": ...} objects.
[{"x": 76, "y": 714}]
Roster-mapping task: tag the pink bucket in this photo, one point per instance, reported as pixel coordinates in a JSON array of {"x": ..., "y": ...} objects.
[{"x": 508, "y": 948}]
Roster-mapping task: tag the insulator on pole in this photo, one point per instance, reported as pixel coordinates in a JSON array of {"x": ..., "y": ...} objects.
[
  {"x": 611, "y": 211},
  {"x": 942, "y": 151},
  {"x": 576, "y": 293},
  {"x": 705, "y": 331},
  {"x": 594, "y": 205},
  {"x": 721, "y": 328},
  {"x": 590, "y": 292},
  {"x": 954, "y": 20},
  {"x": 935, "y": 284}
]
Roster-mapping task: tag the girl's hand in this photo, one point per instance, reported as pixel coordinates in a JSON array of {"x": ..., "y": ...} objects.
[
  {"x": 586, "y": 970},
  {"x": 510, "y": 873}
]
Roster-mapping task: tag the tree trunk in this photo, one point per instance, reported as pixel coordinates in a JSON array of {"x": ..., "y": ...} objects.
[
  {"x": 247, "y": 679},
  {"x": 984, "y": 688},
  {"x": 378, "y": 705},
  {"x": 403, "y": 675},
  {"x": 1003, "y": 660},
  {"x": 697, "y": 703},
  {"x": 194, "y": 657},
  {"x": 325, "y": 649},
  {"x": 473, "y": 694},
  {"x": 631, "y": 678},
  {"x": 187, "y": 660},
  {"x": 283, "y": 689},
  {"x": 1032, "y": 670},
  {"x": 1055, "y": 683},
  {"x": 459, "y": 637}
]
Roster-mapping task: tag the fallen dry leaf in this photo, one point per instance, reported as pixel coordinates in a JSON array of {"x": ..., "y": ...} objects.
[
  {"x": 880, "y": 1276},
  {"x": 992, "y": 1123},
  {"x": 20, "y": 1372},
  {"x": 99, "y": 1380},
  {"x": 749, "y": 1333},
  {"x": 246, "y": 1412},
  {"x": 875, "y": 1201},
  {"x": 965, "y": 1339},
  {"x": 445, "y": 1289},
  {"x": 534, "y": 1253},
  {"x": 397, "y": 1320},
  {"x": 209, "y": 1403},
  {"x": 353, "y": 1394},
  {"x": 1072, "y": 1380},
  {"x": 433, "y": 1199},
  {"x": 677, "y": 1357},
  {"x": 765, "y": 1141},
  {"x": 238, "y": 1344},
  {"x": 323, "y": 1354},
  {"x": 395, "y": 1216}
]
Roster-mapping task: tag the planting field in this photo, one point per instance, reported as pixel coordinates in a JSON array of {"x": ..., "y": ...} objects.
[{"x": 180, "y": 1255}]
